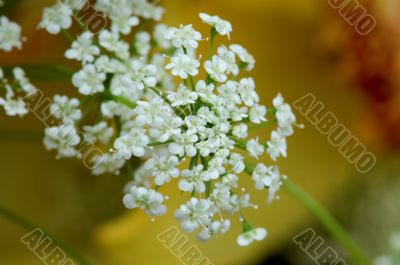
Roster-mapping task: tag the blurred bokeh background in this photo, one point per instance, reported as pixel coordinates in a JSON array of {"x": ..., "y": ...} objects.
[{"x": 300, "y": 47}]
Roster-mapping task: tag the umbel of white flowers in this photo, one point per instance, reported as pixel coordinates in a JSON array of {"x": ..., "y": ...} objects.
[{"x": 151, "y": 102}]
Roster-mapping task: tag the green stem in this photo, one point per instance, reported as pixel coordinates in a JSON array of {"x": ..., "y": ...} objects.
[
  {"x": 68, "y": 35},
  {"x": 209, "y": 186},
  {"x": 94, "y": 102},
  {"x": 81, "y": 23},
  {"x": 240, "y": 144},
  {"x": 271, "y": 111},
  {"x": 178, "y": 111},
  {"x": 192, "y": 83},
  {"x": 211, "y": 50},
  {"x": 30, "y": 227},
  {"x": 193, "y": 161},
  {"x": 337, "y": 231},
  {"x": 160, "y": 143},
  {"x": 123, "y": 101},
  {"x": 262, "y": 125}
]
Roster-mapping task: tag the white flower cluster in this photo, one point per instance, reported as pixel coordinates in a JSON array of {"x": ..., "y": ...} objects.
[
  {"x": 56, "y": 18},
  {"x": 10, "y": 35},
  {"x": 16, "y": 90},
  {"x": 112, "y": 70},
  {"x": 205, "y": 121},
  {"x": 129, "y": 89}
]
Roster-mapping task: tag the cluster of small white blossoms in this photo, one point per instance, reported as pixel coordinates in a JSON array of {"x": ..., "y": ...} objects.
[
  {"x": 112, "y": 78},
  {"x": 16, "y": 90},
  {"x": 393, "y": 254},
  {"x": 10, "y": 35},
  {"x": 205, "y": 121},
  {"x": 20, "y": 86},
  {"x": 127, "y": 85}
]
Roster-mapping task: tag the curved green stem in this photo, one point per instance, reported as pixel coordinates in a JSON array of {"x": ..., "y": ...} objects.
[
  {"x": 11, "y": 216},
  {"x": 337, "y": 231},
  {"x": 68, "y": 35},
  {"x": 124, "y": 101}
]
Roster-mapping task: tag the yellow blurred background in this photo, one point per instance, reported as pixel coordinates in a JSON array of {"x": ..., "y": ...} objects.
[{"x": 299, "y": 46}]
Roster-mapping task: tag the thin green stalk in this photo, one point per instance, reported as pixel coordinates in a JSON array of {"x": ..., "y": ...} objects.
[
  {"x": 68, "y": 35},
  {"x": 211, "y": 50},
  {"x": 262, "y": 125},
  {"x": 178, "y": 111},
  {"x": 192, "y": 107},
  {"x": 337, "y": 231},
  {"x": 271, "y": 111},
  {"x": 209, "y": 189},
  {"x": 81, "y": 23},
  {"x": 240, "y": 144},
  {"x": 192, "y": 83},
  {"x": 11, "y": 216},
  {"x": 193, "y": 161},
  {"x": 160, "y": 143},
  {"x": 124, "y": 101},
  {"x": 93, "y": 103},
  {"x": 190, "y": 77}
]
